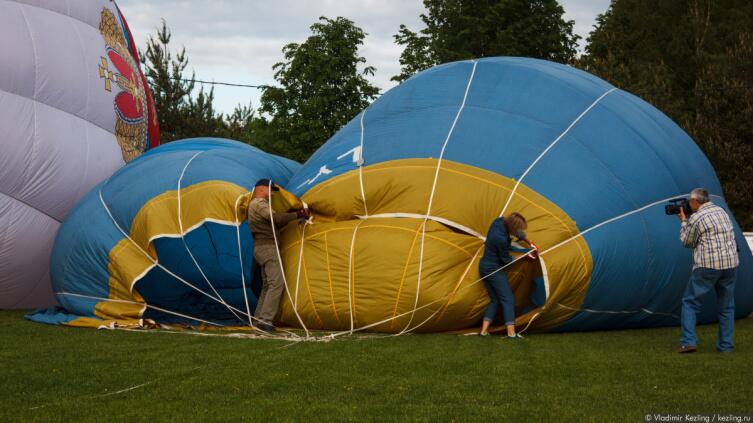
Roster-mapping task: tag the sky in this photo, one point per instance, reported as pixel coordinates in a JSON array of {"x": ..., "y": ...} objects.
[{"x": 239, "y": 41}]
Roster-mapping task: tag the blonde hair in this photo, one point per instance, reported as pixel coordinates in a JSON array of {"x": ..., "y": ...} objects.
[{"x": 514, "y": 223}]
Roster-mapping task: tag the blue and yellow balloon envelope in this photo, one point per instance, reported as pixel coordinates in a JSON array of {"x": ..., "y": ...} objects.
[
  {"x": 407, "y": 190},
  {"x": 403, "y": 196},
  {"x": 165, "y": 239}
]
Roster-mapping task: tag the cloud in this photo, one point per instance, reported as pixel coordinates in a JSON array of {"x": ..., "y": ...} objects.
[{"x": 240, "y": 41}]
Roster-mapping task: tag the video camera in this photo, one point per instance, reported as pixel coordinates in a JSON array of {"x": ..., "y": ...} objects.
[{"x": 677, "y": 204}]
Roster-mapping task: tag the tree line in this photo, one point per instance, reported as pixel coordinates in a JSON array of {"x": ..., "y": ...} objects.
[{"x": 693, "y": 59}]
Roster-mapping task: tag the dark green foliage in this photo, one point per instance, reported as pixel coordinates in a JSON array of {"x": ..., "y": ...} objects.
[
  {"x": 467, "y": 29},
  {"x": 320, "y": 89},
  {"x": 322, "y": 85},
  {"x": 693, "y": 59},
  {"x": 181, "y": 114}
]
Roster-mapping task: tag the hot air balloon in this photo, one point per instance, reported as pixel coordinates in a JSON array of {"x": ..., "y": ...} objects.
[
  {"x": 75, "y": 107},
  {"x": 404, "y": 194},
  {"x": 165, "y": 239}
]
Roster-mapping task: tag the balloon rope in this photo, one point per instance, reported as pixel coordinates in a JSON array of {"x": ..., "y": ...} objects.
[
  {"x": 546, "y": 150},
  {"x": 642, "y": 310},
  {"x": 300, "y": 262},
  {"x": 433, "y": 190},
  {"x": 149, "y": 257},
  {"x": 449, "y": 298},
  {"x": 580, "y": 234},
  {"x": 359, "y": 162},
  {"x": 279, "y": 259},
  {"x": 188, "y": 250},
  {"x": 371, "y": 325},
  {"x": 240, "y": 259},
  {"x": 174, "y": 313},
  {"x": 381, "y": 322},
  {"x": 351, "y": 272}
]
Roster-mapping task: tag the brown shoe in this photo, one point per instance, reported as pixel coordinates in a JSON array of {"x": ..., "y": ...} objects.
[{"x": 686, "y": 349}]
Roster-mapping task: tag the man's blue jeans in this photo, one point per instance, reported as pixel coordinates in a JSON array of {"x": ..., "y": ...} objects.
[
  {"x": 702, "y": 281},
  {"x": 500, "y": 295}
]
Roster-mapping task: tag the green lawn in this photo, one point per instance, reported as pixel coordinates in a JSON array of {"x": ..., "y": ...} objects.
[{"x": 69, "y": 374}]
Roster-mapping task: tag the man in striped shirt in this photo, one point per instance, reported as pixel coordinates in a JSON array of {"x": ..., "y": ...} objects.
[{"x": 709, "y": 232}]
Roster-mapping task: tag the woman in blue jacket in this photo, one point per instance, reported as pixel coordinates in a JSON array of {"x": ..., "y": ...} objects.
[{"x": 496, "y": 255}]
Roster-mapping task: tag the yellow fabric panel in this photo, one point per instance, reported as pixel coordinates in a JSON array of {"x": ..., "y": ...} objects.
[
  {"x": 381, "y": 255},
  {"x": 126, "y": 263},
  {"x": 385, "y": 259},
  {"x": 215, "y": 200},
  {"x": 282, "y": 201}
]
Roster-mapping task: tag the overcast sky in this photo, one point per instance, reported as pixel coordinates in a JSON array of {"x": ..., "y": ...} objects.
[{"x": 239, "y": 41}]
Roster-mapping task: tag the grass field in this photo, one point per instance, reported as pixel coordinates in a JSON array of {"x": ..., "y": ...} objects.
[{"x": 68, "y": 374}]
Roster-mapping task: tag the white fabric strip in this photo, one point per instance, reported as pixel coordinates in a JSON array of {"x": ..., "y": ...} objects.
[
  {"x": 300, "y": 262},
  {"x": 240, "y": 258},
  {"x": 279, "y": 259},
  {"x": 350, "y": 274},
  {"x": 194, "y": 227},
  {"x": 546, "y": 150},
  {"x": 545, "y": 276},
  {"x": 359, "y": 163},
  {"x": 185, "y": 244},
  {"x": 442, "y": 220},
  {"x": 433, "y": 190},
  {"x": 449, "y": 135},
  {"x": 149, "y": 257},
  {"x": 531, "y": 321}
]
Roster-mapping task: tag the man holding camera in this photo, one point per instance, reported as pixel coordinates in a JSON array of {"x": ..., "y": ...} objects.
[{"x": 709, "y": 232}]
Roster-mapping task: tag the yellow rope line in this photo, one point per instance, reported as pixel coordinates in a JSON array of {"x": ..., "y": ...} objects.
[
  {"x": 350, "y": 174},
  {"x": 405, "y": 271},
  {"x": 353, "y": 277},
  {"x": 308, "y": 289},
  {"x": 458, "y": 247},
  {"x": 454, "y": 291},
  {"x": 329, "y": 277}
]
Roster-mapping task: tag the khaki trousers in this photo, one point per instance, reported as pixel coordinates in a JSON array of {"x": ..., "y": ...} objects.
[{"x": 273, "y": 284}]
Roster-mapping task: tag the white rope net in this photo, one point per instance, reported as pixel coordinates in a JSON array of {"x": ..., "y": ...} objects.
[{"x": 305, "y": 334}]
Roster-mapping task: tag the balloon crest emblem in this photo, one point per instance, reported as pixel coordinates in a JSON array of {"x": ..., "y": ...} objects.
[{"x": 130, "y": 104}]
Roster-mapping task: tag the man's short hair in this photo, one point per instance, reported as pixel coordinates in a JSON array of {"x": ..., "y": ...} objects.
[{"x": 700, "y": 195}]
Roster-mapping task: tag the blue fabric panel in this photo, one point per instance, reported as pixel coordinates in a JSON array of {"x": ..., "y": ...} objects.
[
  {"x": 164, "y": 165},
  {"x": 432, "y": 100},
  {"x": 51, "y": 316},
  {"x": 78, "y": 263},
  {"x": 659, "y": 289},
  {"x": 214, "y": 246}
]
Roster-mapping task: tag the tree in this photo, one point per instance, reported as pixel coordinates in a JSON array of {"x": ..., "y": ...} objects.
[
  {"x": 693, "y": 59},
  {"x": 467, "y": 29},
  {"x": 180, "y": 114},
  {"x": 320, "y": 89},
  {"x": 237, "y": 125}
]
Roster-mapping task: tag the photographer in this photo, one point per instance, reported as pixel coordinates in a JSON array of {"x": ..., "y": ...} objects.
[{"x": 709, "y": 232}]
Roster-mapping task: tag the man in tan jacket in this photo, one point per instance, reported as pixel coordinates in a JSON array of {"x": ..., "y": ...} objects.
[{"x": 260, "y": 218}]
